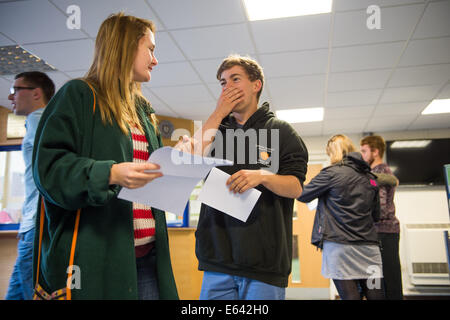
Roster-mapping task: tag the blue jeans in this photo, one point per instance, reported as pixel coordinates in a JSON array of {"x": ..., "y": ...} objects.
[
  {"x": 146, "y": 275},
  {"x": 21, "y": 282},
  {"x": 220, "y": 286}
]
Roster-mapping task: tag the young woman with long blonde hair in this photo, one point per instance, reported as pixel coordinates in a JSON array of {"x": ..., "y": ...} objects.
[
  {"x": 344, "y": 222},
  {"x": 94, "y": 138}
]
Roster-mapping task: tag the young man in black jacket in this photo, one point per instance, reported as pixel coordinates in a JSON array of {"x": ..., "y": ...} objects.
[{"x": 252, "y": 259}]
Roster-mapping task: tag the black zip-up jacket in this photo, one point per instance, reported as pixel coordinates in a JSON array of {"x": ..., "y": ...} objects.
[
  {"x": 260, "y": 248},
  {"x": 348, "y": 202}
]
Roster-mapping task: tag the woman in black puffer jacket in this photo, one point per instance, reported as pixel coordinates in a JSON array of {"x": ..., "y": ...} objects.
[{"x": 344, "y": 223}]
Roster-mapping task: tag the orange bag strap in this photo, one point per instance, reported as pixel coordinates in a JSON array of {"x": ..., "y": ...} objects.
[
  {"x": 72, "y": 254},
  {"x": 41, "y": 231},
  {"x": 74, "y": 236}
]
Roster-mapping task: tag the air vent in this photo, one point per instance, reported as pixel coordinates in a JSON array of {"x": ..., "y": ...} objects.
[
  {"x": 15, "y": 59},
  {"x": 430, "y": 267}
]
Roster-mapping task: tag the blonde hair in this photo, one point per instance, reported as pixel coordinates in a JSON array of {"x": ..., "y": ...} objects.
[
  {"x": 339, "y": 146},
  {"x": 111, "y": 72}
]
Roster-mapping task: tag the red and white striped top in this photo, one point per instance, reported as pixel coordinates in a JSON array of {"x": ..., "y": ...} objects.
[{"x": 143, "y": 221}]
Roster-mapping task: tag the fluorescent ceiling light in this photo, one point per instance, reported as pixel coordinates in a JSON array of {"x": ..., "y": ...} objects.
[
  {"x": 410, "y": 144},
  {"x": 301, "y": 115},
  {"x": 438, "y": 106},
  {"x": 273, "y": 9}
]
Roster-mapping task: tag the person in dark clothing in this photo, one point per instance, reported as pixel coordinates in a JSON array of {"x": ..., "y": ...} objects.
[
  {"x": 388, "y": 228},
  {"x": 344, "y": 222},
  {"x": 252, "y": 259}
]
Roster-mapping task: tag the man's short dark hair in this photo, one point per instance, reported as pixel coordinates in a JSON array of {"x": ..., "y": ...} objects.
[{"x": 39, "y": 80}]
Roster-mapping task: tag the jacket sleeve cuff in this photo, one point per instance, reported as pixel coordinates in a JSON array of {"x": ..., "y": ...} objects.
[{"x": 99, "y": 190}]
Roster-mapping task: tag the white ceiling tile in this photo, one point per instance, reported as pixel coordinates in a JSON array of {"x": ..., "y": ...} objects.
[
  {"x": 353, "y": 98},
  {"x": 445, "y": 93},
  {"x": 297, "y": 92},
  {"x": 175, "y": 97},
  {"x": 173, "y": 74},
  {"x": 166, "y": 50},
  {"x": 216, "y": 89},
  {"x": 347, "y": 112},
  {"x": 162, "y": 110},
  {"x": 294, "y": 63},
  {"x": 375, "y": 56},
  {"x": 344, "y": 5},
  {"x": 396, "y": 24},
  {"x": 66, "y": 55},
  {"x": 431, "y": 121},
  {"x": 9, "y": 77},
  {"x": 399, "y": 109},
  {"x": 93, "y": 13},
  {"x": 359, "y": 80},
  {"x": 306, "y": 129},
  {"x": 208, "y": 69},
  {"x": 35, "y": 21},
  {"x": 291, "y": 34},
  {"x": 419, "y": 52},
  {"x": 390, "y": 123},
  {"x": 214, "y": 42},
  {"x": 160, "y": 107},
  {"x": 409, "y": 94},
  {"x": 195, "y": 13},
  {"x": 5, "y": 41},
  {"x": 435, "y": 22},
  {"x": 58, "y": 78},
  {"x": 344, "y": 126},
  {"x": 423, "y": 75},
  {"x": 265, "y": 97},
  {"x": 197, "y": 110},
  {"x": 76, "y": 74}
]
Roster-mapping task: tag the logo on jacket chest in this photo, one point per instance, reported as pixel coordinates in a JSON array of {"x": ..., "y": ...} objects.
[
  {"x": 264, "y": 155},
  {"x": 253, "y": 147}
]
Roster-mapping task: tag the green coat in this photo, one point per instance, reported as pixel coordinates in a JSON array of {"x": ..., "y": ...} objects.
[{"x": 73, "y": 154}]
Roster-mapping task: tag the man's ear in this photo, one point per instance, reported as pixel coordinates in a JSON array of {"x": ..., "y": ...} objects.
[
  {"x": 38, "y": 94},
  {"x": 257, "y": 85},
  {"x": 376, "y": 152}
]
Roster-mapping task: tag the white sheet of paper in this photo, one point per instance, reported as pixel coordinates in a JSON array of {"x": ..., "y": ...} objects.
[
  {"x": 313, "y": 204},
  {"x": 215, "y": 194},
  {"x": 181, "y": 173}
]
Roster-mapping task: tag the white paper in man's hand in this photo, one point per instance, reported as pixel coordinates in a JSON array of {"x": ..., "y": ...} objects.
[{"x": 215, "y": 193}]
